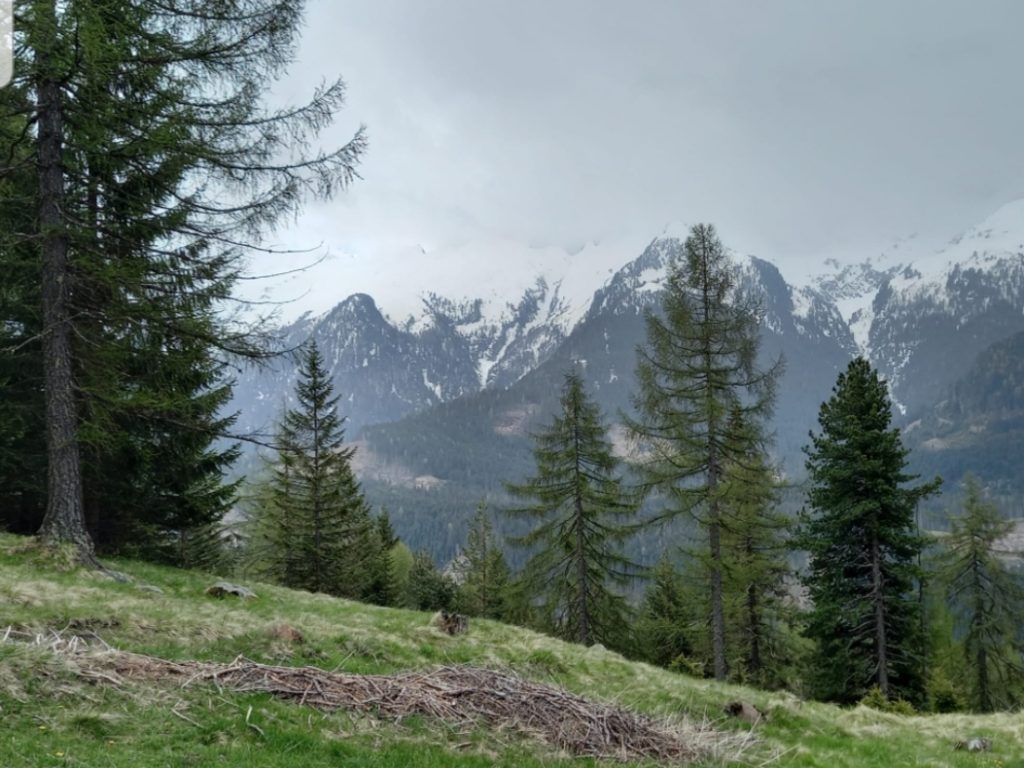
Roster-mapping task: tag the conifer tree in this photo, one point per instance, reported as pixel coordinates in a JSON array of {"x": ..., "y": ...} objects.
[
  {"x": 668, "y": 618},
  {"x": 155, "y": 170},
  {"x": 485, "y": 584},
  {"x": 864, "y": 546},
  {"x": 754, "y": 552},
  {"x": 313, "y": 532},
  {"x": 381, "y": 582},
  {"x": 698, "y": 367},
  {"x": 579, "y": 509},
  {"x": 428, "y": 589},
  {"x": 986, "y": 600}
]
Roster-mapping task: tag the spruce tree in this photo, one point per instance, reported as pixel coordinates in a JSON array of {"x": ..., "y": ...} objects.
[
  {"x": 698, "y": 367},
  {"x": 579, "y": 509},
  {"x": 864, "y": 546},
  {"x": 312, "y": 534},
  {"x": 986, "y": 600},
  {"x": 155, "y": 169},
  {"x": 381, "y": 582},
  {"x": 485, "y": 584},
  {"x": 668, "y": 619}
]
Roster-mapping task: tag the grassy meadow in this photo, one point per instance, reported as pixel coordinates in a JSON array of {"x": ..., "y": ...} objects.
[{"x": 54, "y": 712}]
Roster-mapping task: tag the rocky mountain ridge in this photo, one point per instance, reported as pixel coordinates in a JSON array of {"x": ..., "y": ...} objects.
[{"x": 922, "y": 319}]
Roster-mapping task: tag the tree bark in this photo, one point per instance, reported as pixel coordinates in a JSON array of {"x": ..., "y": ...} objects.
[
  {"x": 64, "y": 521},
  {"x": 717, "y": 606},
  {"x": 581, "y": 564},
  {"x": 754, "y": 625},
  {"x": 878, "y": 599}
]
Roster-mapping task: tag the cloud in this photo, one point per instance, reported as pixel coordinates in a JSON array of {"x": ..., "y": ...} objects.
[{"x": 802, "y": 129}]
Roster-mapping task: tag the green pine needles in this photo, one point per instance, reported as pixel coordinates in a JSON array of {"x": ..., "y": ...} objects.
[
  {"x": 314, "y": 530},
  {"x": 986, "y": 599},
  {"x": 580, "y": 511},
  {"x": 699, "y": 370},
  {"x": 864, "y": 546}
]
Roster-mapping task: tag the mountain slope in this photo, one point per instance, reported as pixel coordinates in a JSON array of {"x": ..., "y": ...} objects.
[
  {"x": 979, "y": 426},
  {"x": 58, "y": 712},
  {"x": 461, "y": 320}
]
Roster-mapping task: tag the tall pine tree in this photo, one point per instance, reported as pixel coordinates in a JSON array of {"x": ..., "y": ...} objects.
[
  {"x": 153, "y": 170},
  {"x": 698, "y": 367},
  {"x": 864, "y": 546},
  {"x": 579, "y": 509}
]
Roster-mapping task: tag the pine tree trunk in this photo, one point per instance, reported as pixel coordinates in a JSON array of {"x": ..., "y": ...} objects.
[
  {"x": 984, "y": 697},
  {"x": 581, "y": 564},
  {"x": 717, "y": 608},
  {"x": 878, "y": 600},
  {"x": 584, "y": 587},
  {"x": 64, "y": 521},
  {"x": 714, "y": 524},
  {"x": 754, "y": 626},
  {"x": 978, "y": 620}
]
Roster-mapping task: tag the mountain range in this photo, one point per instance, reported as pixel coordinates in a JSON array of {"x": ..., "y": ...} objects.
[{"x": 441, "y": 400}]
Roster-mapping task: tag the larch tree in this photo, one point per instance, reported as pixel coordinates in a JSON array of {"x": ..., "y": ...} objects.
[
  {"x": 754, "y": 542},
  {"x": 698, "y": 367},
  {"x": 155, "y": 170},
  {"x": 580, "y": 510},
  {"x": 863, "y": 543},
  {"x": 313, "y": 531},
  {"x": 986, "y": 600}
]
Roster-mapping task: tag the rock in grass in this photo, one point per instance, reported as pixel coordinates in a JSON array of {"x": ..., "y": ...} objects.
[
  {"x": 225, "y": 588},
  {"x": 974, "y": 744},
  {"x": 151, "y": 588}
]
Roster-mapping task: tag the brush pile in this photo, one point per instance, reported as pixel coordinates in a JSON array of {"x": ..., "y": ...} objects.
[{"x": 461, "y": 697}]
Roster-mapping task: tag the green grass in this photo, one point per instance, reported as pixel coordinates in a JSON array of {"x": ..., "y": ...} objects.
[{"x": 52, "y": 716}]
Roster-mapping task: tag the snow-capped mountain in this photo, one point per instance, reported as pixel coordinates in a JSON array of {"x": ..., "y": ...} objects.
[
  {"x": 481, "y": 321},
  {"x": 480, "y": 315},
  {"x": 922, "y": 317}
]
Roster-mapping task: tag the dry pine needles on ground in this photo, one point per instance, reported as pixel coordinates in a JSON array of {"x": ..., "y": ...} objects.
[{"x": 460, "y": 696}]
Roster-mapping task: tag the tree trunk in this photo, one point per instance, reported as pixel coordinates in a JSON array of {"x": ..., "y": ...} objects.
[
  {"x": 717, "y": 607},
  {"x": 713, "y": 471},
  {"x": 581, "y": 564},
  {"x": 754, "y": 625},
  {"x": 64, "y": 522},
  {"x": 878, "y": 599},
  {"x": 984, "y": 696}
]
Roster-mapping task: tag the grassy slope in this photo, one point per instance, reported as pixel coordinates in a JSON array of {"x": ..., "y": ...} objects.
[{"x": 52, "y": 717}]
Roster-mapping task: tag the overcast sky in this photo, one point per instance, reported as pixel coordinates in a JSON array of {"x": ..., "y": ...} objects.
[{"x": 802, "y": 129}]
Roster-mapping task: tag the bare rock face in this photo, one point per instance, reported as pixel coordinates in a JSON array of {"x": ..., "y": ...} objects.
[
  {"x": 226, "y": 589},
  {"x": 745, "y": 711}
]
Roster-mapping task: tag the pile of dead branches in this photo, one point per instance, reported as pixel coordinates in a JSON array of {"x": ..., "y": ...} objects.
[{"x": 459, "y": 696}]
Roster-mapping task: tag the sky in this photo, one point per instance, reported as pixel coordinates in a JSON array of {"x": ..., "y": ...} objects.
[{"x": 802, "y": 129}]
